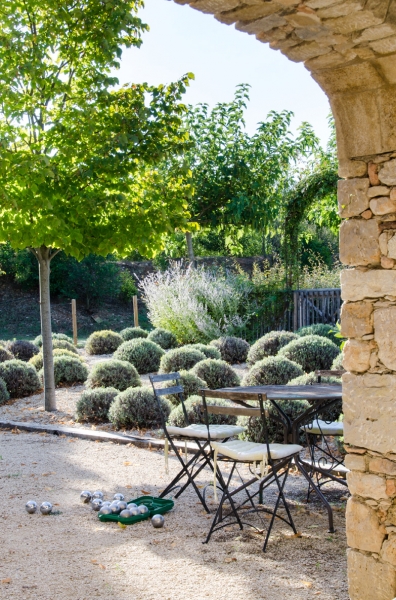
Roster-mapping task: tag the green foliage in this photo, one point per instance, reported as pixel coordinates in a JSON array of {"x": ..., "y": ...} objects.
[
  {"x": 273, "y": 370},
  {"x": 254, "y": 429},
  {"x": 336, "y": 365},
  {"x": 93, "y": 405},
  {"x": 137, "y": 408},
  {"x": 20, "y": 378},
  {"x": 191, "y": 384},
  {"x": 143, "y": 354},
  {"x": 194, "y": 414},
  {"x": 37, "y": 360},
  {"x": 321, "y": 329},
  {"x": 22, "y": 349},
  {"x": 103, "y": 342},
  {"x": 113, "y": 373},
  {"x": 128, "y": 287},
  {"x": 216, "y": 373},
  {"x": 312, "y": 352},
  {"x": 132, "y": 333},
  {"x": 164, "y": 338},
  {"x": 340, "y": 339},
  {"x": 232, "y": 349},
  {"x": 68, "y": 371},
  {"x": 312, "y": 379},
  {"x": 209, "y": 351},
  {"x": 55, "y": 336},
  {"x": 5, "y": 354},
  {"x": 4, "y": 395},
  {"x": 269, "y": 345},
  {"x": 59, "y": 344},
  {"x": 180, "y": 359}
]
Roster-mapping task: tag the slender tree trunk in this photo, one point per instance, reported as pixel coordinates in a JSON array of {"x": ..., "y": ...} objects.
[
  {"x": 190, "y": 249},
  {"x": 44, "y": 256}
]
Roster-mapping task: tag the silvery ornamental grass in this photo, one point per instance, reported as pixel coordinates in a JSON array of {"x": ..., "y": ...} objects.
[{"x": 197, "y": 305}]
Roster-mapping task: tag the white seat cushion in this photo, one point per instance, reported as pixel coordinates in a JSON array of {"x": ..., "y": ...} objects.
[
  {"x": 217, "y": 432},
  {"x": 251, "y": 451},
  {"x": 319, "y": 427}
]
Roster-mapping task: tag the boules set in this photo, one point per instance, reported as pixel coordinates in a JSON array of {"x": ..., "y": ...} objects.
[
  {"x": 86, "y": 497},
  {"x": 122, "y": 505},
  {"x": 157, "y": 521},
  {"x": 46, "y": 508},
  {"x": 105, "y": 510},
  {"x": 143, "y": 509},
  {"x": 134, "y": 510},
  {"x": 118, "y": 497},
  {"x": 98, "y": 495},
  {"x": 125, "y": 514},
  {"x": 96, "y": 504},
  {"x": 115, "y": 509}
]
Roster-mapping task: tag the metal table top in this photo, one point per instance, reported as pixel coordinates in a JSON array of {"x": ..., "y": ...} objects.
[{"x": 292, "y": 392}]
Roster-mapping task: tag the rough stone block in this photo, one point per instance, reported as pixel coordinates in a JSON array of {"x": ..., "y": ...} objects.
[
  {"x": 364, "y": 531},
  {"x": 305, "y": 51},
  {"x": 370, "y": 411},
  {"x": 382, "y": 205},
  {"x": 356, "y": 356},
  {"x": 388, "y": 553},
  {"x": 391, "y": 488},
  {"x": 391, "y": 516},
  {"x": 387, "y": 263},
  {"x": 385, "y": 336},
  {"x": 356, "y": 319},
  {"x": 359, "y": 242},
  {"x": 375, "y": 33},
  {"x": 373, "y": 173},
  {"x": 369, "y": 579},
  {"x": 348, "y": 169},
  {"x": 367, "y": 485},
  {"x": 367, "y": 214},
  {"x": 382, "y": 465},
  {"x": 374, "y": 283},
  {"x": 385, "y": 46},
  {"x": 387, "y": 66},
  {"x": 355, "y": 462},
  {"x": 378, "y": 190},
  {"x": 391, "y": 246},
  {"x": 352, "y": 197},
  {"x": 383, "y": 242},
  {"x": 353, "y": 22},
  {"x": 387, "y": 174}
]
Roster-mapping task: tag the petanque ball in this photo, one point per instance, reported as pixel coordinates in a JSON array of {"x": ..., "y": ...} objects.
[
  {"x": 122, "y": 505},
  {"x": 134, "y": 511},
  {"x": 143, "y": 509},
  {"x": 132, "y": 505},
  {"x": 46, "y": 508},
  {"x": 86, "y": 497},
  {"x": 106, "y": 503},
  {"x": 115, "y": 509},
  {"x": 98, "y": 495},
  {"x": 105, "y": 510},
  {"x": 157, "y": 521},
  {"x": 96, "y": 504},
  {"x": 118, "y": 497},
  {"x": 31, "y": 507},
  {"x": 125, "y": 514}
]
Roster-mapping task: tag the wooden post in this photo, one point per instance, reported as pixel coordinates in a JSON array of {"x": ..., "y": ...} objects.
[
  {"x": 74, "y": 320},
  {"x": 295, "y": 310},
  {"x": 135, "y": 310}
]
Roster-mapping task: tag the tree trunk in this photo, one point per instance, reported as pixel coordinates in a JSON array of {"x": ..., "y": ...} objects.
[
  {"x": 44, "y": 256},
  {"x": 190, "y": 249}
]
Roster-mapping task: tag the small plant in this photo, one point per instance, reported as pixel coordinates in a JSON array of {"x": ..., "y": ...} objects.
[
  {"x": 128, "y": 287},
  {"x": 37, "y": 360},
  {"x": 164, "y": 338},
  {"x": 216, "y": 373},
  {"x": 209, "y": 351},
  {"x": 143, "y": 354},
  {"x": 323, "y": 330},
  {"x": 232, "y": 349},
  {"x": 194, "y": 414},
  {"x": 180, "y": 359},
  {"x": 336, "y": 365},
  {"x": 55, "y": 336},
  {"x": 191, "y": 384},
  {"x": 64, "y": 345},
  {"x": 93, "y": 405},
  {"x": 103, "y": 342},
  {"x": 273, "y": 370},
  {"x": 5, "y": 355},
  {"x": 276, "y": 434},
  {"x": 20, "y": 378},
  {"x": 22, "y": 349},
  {"x": 118, "y": 374},
  {"x": 312, "y": 352},
  {"x": 4, "y": 395},
  {"x": 132, "y": 333},
  {"x": 137, "y": 408},
  {"x": 68, "y": 371},
  {"x": 269, "y": 345}
]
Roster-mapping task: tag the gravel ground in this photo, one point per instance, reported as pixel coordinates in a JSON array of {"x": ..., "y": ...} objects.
[{"x": 71, "y": 555}]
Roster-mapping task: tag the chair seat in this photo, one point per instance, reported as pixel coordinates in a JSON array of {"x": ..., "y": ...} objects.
[
  {"x": 217, "y": 432},
  {"x": 319, "y": 427},
  {"x": 254, "y": 452}
]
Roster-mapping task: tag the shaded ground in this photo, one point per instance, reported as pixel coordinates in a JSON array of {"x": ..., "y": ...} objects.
[{"x": 71, "y": 555}]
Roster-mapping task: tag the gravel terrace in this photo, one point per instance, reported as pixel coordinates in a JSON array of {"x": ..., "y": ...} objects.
[{"x": 71, "y": 555}]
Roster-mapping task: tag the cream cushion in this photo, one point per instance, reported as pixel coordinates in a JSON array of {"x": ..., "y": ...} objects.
[
  {"x": 251, "y": 451},
  {"x": 319, "y": 427},
  {"x": 217, "y": 432}
]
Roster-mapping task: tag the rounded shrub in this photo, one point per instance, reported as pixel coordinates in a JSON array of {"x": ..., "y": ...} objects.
[
  {"x": 209, "y": 351},
  {"x": 336, "y": 365},
  {"x": 68, "y": 371},
  {"x": 330, "y": 413},
  {"x": 253, "y": 425},
  {"x": 55, "y": 336},
  {"x": 137, "y": 408},
  {"x": 192, "y": 405},
  {"x": 269, "y": 345},
  {"x": 273, "y": 370},
  {"x": 232, "y": 349},
  {"x": 312, "y": 379},
  {"x": 5, "y": 354},
  {"x": 64, "y": 345},
  {"x": 118, "y": 374},
  {"x": 22, "y": 349},
  {"x": 180, "y": 359},
  {"x": 143, "y": 354},
  {"x": 321, "y": 329},
  {"x": 103, "y": 342},
  {"x": 216, "y": 373},
  {"x": 37, "y": 360},
  {"x": 312, "y": 352},
  {"x": 93, "y": 405},
  {"x": 191, "y": 384},
  {"x": 131, "y": 333},
  {"x": 4, "y": 395},
  {"x": 20, "y": 378},
  {"x": 164, "y": 338}
]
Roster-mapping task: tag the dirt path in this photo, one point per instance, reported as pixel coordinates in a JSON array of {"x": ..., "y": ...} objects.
[{"x": 71, "y": 555}]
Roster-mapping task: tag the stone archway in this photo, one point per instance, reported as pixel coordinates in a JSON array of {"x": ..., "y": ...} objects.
[{"x": 349, "y": 47}]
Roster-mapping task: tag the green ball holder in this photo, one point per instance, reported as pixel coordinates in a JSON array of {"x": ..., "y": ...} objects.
[{"x": 156, "y": 506}]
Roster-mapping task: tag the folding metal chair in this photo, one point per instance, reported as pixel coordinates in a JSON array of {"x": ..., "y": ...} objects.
[
  {"x": 197, "y": 433},
  {"x": 274, "y": 461}
]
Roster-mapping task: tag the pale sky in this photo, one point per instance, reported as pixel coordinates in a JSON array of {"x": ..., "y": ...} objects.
[{"x": 182, "y": 39}]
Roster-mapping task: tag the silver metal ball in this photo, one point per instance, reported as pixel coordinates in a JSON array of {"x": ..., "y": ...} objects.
[
  {"x": 134, "y": 511},
  {"x": 31, "y": 507},
  {"x": 96, "y": 504},
  {"x": 98, "y": 495},
  {"x": 132, "y": 505},
  {"x": 86, "y": 496},
  {"x": 157, "y": 521},
  {"x": 123, "y": 505},
  {"x": 125, "y": 514},
  {"x": 106, "y": 503},
  {"x": 143, "y": 509},
  {"x": 115, "y": 509},
  {"x": 118, "y": 497},
  {"x": 105, "y": 510},
  {"x": 46, "y": 508}
]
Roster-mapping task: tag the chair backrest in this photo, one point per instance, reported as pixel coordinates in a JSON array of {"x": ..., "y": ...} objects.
[
  {"x": 328, "y": 373},
  {"x": 174, "y": 387}
]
